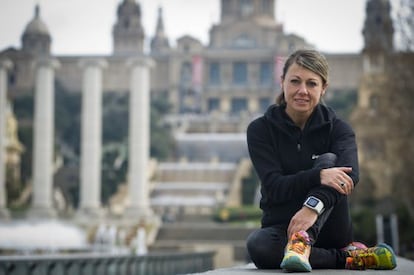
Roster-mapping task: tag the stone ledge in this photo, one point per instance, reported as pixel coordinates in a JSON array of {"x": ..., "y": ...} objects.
[{"x": 404, "y": 266}]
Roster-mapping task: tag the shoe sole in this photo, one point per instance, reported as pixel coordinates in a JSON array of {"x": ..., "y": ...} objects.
[{"x": 295, "y": 264}]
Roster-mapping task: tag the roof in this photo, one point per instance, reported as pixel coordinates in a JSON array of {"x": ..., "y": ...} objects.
[{"x": 36, "y": 25}]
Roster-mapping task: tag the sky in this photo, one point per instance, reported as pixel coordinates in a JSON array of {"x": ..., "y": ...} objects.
[{"x": 82, "y": 27}]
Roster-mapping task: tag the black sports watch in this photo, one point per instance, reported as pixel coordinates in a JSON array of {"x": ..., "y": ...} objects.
[{"x": 315, "y": 204}]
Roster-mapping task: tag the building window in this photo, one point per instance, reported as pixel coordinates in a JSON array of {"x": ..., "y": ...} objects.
[
  {"x": 126, "y": 24},
  {"x": 373, "y": 102},
  {"x": 266, "y": 8},
  {"x": 186, "y": 73},
  {"x": 12, "y": 78},
  {"x": 266, "y": 72},
  {"x": 264, "y": 103},
  {"x": 244, "y": 41},
  {"x": 240, "y": 73},
  {"x": 238, "y": 105},
  {"x": 214, "y": 77},
  {"x": 213, "y": 104},
  {"x": 291, "y": 45},
  {"x": 246, "y": 7},
  {"x": 226, "y": 7}
]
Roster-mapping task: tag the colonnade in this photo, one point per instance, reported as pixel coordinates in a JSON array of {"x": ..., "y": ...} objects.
[
  {"x": 5, "y": 65},
  {"x": 91, "y": 138}
]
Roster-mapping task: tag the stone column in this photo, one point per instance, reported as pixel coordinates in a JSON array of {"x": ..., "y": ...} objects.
[
  {"x": 91, "y": 138},
  {"x": 139, "y": 132},
  {"x": 4, "y": 66},
  {"x": 43, "y": 139}
]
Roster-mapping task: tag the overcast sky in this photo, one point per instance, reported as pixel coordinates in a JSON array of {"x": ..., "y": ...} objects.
[{"x": 85, "y": 26}]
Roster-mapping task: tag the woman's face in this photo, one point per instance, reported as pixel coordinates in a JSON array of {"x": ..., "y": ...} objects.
[{"x": 303, "y": 90}]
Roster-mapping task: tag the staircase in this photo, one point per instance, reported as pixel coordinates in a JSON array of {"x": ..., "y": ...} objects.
[
  {"x": 191, "y": 188},
  {"x": 186, "y": 194}
]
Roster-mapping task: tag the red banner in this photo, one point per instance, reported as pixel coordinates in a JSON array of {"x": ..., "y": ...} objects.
[
  {"x": 279, "y": 61},
  {"x": 197, "y": 74}
]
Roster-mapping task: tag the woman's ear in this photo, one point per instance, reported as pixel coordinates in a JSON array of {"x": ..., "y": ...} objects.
[{"x": 324, "y": 88}]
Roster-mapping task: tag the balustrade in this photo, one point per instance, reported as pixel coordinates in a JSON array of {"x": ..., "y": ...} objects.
[{"x": 91, "y": 264}]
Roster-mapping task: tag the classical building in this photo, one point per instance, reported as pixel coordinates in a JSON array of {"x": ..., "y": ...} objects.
[
  {"x": 238, "y": 71},
  {"x": 215, "y": 88}
]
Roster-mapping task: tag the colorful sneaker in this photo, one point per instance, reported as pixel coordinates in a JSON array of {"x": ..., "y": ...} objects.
[
  {"x": 297, "y": 252},
  {"x": 378, "y": 257}
]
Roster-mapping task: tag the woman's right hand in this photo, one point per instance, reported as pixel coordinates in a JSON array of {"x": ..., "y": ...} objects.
[{"x": 337, "y": 178}]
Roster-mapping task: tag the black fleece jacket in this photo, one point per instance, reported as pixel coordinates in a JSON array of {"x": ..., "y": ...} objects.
[{"x": 283, "y": 156}]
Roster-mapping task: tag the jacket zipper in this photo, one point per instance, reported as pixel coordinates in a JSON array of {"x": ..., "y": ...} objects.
[{"x": 299, "y": 144}]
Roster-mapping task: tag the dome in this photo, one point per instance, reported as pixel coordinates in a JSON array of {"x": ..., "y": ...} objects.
[
  {"x": 36, "y": 38},
  {"x": 128, "y": 8},
  {"x": 36, "y": 26}
]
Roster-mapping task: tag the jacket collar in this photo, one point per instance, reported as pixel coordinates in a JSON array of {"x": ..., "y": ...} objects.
[{"x": 321, "y": 117}]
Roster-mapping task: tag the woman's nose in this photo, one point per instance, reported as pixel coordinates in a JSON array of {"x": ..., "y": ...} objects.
[{"x": 303, "y": 88}]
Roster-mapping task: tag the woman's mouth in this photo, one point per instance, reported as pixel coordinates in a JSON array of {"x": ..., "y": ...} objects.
[{"x": 301, "y": 101}]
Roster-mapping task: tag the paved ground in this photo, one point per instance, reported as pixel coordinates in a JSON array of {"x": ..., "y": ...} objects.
[{"x": 404, "y": 266}]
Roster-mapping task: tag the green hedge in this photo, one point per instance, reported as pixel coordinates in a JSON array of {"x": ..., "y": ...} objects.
[{"x": 237, "y": 214}]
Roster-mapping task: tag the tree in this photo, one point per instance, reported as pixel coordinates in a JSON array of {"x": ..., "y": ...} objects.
[
  {"x": 400, "y": 68},
  {"x": 401, "y": 126},
  {"x": 404, "y": 25}
]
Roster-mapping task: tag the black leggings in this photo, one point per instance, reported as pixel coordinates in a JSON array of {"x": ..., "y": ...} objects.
[{"x": 331, "y": 232}]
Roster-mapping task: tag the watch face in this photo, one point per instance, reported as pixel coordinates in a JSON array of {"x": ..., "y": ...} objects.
[{"x": 312, "y": 202}]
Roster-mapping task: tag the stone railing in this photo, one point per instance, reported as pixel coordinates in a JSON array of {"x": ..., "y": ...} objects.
[{"x": 78, "y": 264}]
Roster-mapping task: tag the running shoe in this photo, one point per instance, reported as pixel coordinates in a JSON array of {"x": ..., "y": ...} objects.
[
  {"x": 297, "y": 252},
  {"x": 381, "y": 257}
]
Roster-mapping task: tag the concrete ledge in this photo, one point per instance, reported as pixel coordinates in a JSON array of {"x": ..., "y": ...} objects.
[{"x": 404, "y": 266}]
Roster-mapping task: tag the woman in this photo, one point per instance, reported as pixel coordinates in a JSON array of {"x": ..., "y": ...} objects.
[{"x": 306, "y": 159}]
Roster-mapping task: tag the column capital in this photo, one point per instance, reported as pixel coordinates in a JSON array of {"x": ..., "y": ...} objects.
[
  {"x": 6, "y": 64},
  {"x": 93, "y": 62},
  {"x": 143, "y": 61},
  {"x": 50, "y": 62}
]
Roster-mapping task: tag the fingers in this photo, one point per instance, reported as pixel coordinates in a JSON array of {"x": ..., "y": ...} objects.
[
  {"x": 344, "y": 184},
  {"x": 302, "y": 220},
  {"x": 338, "y": 178},
  {"x": 345, "y": 169}
]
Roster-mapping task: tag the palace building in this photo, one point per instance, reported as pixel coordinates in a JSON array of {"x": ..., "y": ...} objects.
[{"x": 237, "y": 72}]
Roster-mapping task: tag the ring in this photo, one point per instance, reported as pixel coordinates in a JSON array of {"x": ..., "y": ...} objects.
[{"x": 342, "y": 184}]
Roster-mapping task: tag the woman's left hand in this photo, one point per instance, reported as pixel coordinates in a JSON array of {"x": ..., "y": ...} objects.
[{"x": 302, "y": 220}]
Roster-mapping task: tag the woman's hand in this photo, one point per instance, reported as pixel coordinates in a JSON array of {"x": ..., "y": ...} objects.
[
  {"x": 302, "y": 220},
  {"x": 338, "y": 179}
]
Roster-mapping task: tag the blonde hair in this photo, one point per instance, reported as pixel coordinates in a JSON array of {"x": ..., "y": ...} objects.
[{"x": 308, "y": 59}]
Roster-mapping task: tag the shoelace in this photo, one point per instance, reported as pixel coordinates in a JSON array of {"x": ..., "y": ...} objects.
[
  {"x": 298, "y": 246},
  {"x": 362, "y": 259}
]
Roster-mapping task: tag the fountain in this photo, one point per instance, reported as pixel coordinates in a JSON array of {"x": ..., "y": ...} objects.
[{"x": 41, "y": 236}]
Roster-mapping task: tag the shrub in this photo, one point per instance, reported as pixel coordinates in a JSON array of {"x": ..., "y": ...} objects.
[{"x": 237, "y": 214}]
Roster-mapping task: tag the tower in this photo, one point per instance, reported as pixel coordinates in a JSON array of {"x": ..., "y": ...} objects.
[
  {"x": 128, "y": 33},
  {"x": 378, "y": 35},
  {"x": 246, "y": 24},
  {"x": 371, "y": 117},
  {"x": 232, "y": 9},
  {"x": 378, "y": 27},
  {"x": 36, "y": 38},
  {"x": 160, "y": 41}
]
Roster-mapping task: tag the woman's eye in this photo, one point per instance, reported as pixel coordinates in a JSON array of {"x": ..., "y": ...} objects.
[
  {"x": 294, "y": 81},
  {"x": 313, "y": 84}
]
